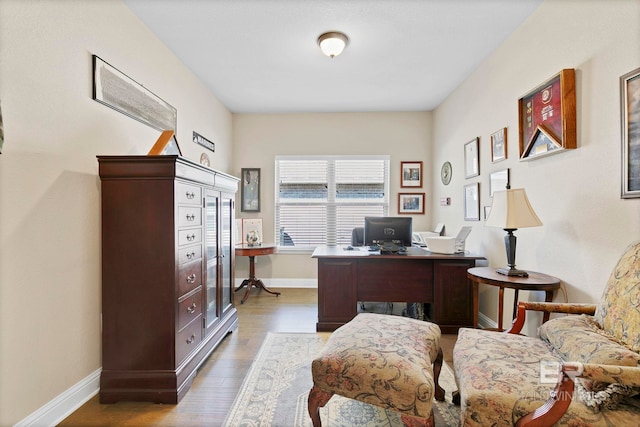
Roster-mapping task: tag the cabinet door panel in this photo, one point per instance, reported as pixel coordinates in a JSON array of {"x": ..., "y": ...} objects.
[
  {"x": 336, "y": 290},
  {"x": 211, "y": 236},
  {"x": 453, "y": 294}
]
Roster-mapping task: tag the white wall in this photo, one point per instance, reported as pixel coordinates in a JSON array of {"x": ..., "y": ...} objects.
[
  {"x": 49, "y": 188},
  {"x": 576, "y": 193},
  {"x": 258, "y": 138}
]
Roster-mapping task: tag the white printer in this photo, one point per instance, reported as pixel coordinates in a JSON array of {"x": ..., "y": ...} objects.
[{"x": 446, "y": 244}]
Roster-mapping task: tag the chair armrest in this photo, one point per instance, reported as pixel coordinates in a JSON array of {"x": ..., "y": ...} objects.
[
  {"x": 549, "y": 307},
  {"x": 560, "y": 398}
]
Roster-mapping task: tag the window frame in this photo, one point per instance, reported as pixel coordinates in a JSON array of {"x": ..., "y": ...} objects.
[{"x": 331, "y": 202}]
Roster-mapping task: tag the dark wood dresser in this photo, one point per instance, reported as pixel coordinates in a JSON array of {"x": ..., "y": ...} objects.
[{"x": 167, "y": 273}]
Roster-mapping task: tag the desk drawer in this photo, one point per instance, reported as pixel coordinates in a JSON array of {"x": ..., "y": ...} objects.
[
  {"x": 188, "y": 216},
  {"x": 188, "y": 339},
  {"x": 190, "y": 253},
  {"x": 188, "y": 194},
  {"x": 189, "y": 277},
  {"x": 189, "y": 309},
  {"x": 395, "y": 280},
  {"x": 189, "y": 236}
]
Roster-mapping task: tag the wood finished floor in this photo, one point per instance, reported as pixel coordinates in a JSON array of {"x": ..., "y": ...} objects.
[{"x": 220, "y": 377}]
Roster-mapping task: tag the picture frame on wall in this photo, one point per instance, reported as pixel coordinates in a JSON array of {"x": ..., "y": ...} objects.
[
  {"x": 250, "y": 190},
  {"x": 472, "y": 202},
  {"x": 411, "y": 174},
  {"x": 630, "y": 112},
  {"x": 499, "y": 145},
  {"x": 471, "y": 158},
  {"x": 547, "y": 117},
  {"x": 498, "y": 180},
  {"x": 411, "y": 203}
]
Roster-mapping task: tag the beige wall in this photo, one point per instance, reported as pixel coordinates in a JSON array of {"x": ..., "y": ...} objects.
[
  {"x": 575, "y": 193},
  {"x": 258, "y": 138},
  {"x": 49, "y": 188}
]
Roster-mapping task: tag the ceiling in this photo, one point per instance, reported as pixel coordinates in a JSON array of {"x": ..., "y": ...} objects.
[{"x": 261, "y": 56}]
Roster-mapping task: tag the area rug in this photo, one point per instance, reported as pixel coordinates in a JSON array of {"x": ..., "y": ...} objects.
[{"x": 276, "y": 388}]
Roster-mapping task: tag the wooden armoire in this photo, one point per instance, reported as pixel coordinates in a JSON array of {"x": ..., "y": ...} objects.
[{"x": 167, "y": 273}]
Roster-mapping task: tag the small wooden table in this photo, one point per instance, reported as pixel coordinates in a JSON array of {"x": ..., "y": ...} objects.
[
  {"x": 252, "y": 252},
  {"x": 535, "y": 282}
]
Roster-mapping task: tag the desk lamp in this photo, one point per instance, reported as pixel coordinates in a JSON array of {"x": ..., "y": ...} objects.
[{"x": 511, "y": 210}]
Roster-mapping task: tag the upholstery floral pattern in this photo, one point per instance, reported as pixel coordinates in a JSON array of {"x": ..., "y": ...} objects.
[
  {"x": 576, "y": 340},
  {"x": 619, "y": 310},
  {"x": 499, "y": 380},
  {"x": 362, "y": 360}
]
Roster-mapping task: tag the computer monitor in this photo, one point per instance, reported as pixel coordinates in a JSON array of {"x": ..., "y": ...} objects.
[{"x": 386, "y": 229}]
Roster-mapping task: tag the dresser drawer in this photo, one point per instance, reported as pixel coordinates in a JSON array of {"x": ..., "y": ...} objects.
[
  {"x": 190, "y": 253},
  {"x": 189, "y": 277},
  {"x": 189, "y": 308},
  {"x": 188, "y": 194},
  {"x": 189, "y": 216},
  {"x": 188, "y": 339},
  {"x": 189, "y": 236}
]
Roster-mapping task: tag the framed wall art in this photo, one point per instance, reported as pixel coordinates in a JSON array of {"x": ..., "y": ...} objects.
[
  {"x": 471, "y": 158},
  {"x": 410, "y": 203},
  {"x": 472, "y": 202},
  {"x": 411, "y": 174},
  {"x": 498, "y": 180},
  {"x": 630, "y": 111},
  {"x": 499, "y": 145},
  {"x": 547, "y": 117},
  {"x": 116, "y": 90},
  {"x": 250, "y": 190}
]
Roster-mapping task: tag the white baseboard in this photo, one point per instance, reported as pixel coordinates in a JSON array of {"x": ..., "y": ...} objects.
[
  {"x": 486, "y": 322},
  {"x": 285, "y": 283},
  {"x": 65, "y": 403}
]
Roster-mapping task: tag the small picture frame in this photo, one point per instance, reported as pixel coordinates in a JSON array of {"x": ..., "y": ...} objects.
[
  {"x": 630, "y": 112},
  {"x": 499, "y": 180},
  {"x": 410, "y": 203},
  {"x": 250, "y": 190},
  {"x": 499, "y": 145},
  {"x": 411, "y": 174},
  {"x": 166, "y": 145},
  {"x": 472, "y": 202},
  {"x": 471, "y": 158}
]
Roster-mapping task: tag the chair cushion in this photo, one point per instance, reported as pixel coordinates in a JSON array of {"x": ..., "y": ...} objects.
[
  {"x": 498, "y": 376},
  {"x": 382, "y": 360},
  {"x": 618, "y": 313}
]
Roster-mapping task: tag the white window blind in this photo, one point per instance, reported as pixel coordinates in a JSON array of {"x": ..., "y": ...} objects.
[{"x": 320, "y": 199}]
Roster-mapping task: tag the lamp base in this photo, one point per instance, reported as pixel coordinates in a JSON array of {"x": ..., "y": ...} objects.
[{"x": 512, "y": 272}]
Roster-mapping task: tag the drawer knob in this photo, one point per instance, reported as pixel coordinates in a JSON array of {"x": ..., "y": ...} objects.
[
  {"x": 191, "y": 255},
  {"x": 192, "y": 308},
  {"x": 191, "y": 339},
  {"x": 191, "y": 217},
  {"x": 191, "y": 278},
  {"x": 190, "y": 237},
  {"x": 190, "y": 195}
]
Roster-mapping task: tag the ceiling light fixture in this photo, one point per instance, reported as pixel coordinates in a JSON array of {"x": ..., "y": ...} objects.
[{"x": 333, "y": 43}]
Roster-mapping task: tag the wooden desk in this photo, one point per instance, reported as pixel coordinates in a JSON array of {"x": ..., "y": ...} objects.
[
  {"x": 535, "y": 282},
  {"x": 252, "y": 252},
  {"x": 346, "y": 277}
]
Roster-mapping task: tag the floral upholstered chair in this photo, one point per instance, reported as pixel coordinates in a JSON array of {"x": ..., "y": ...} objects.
[{"x": 502, "y": 377}]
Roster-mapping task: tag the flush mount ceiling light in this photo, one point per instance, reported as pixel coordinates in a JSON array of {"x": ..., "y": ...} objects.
[{"x": 333, "y": 43}]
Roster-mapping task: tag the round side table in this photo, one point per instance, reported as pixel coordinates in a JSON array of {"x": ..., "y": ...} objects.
[
  {"x": 534, "y": 282},
  {"x": 252, "y": 252}
]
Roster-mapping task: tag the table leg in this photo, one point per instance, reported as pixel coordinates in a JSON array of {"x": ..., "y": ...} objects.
[
  {"x": 515, "y": 304},
  {"x": 252, "y": 281},
  {"x": 476, "y": 305},
  {"x": 500, "y": 307},
  {"x": 548, "y": 297}
]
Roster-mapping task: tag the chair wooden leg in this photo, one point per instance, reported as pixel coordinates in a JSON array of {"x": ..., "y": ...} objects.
[
  {"x": 437, "y": 366},
  {"x": 410, "y": 421},
  {"x": 317, "y": 399},
  {"x": 456, "y": 398}
]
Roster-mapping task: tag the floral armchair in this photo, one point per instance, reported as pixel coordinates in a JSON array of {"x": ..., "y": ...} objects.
[{"x": 504, "y": 378}]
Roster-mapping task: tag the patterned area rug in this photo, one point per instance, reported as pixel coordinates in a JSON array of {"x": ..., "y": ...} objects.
[{"x": 276, "y": 388}]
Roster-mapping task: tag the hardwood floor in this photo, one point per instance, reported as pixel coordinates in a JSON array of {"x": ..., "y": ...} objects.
[{"x": 220, "y": 377}]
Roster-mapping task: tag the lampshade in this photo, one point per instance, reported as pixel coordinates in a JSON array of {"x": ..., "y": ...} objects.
[
  {"x": 332, "y": 43},
  {"x": 511, "y": 210}
]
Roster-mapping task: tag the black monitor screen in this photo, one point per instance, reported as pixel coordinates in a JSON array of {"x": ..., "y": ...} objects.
[{"x": 385, "y": 229}]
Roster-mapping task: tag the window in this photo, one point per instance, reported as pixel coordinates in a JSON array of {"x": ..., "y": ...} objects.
[{"x": 320, "y": 199}]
